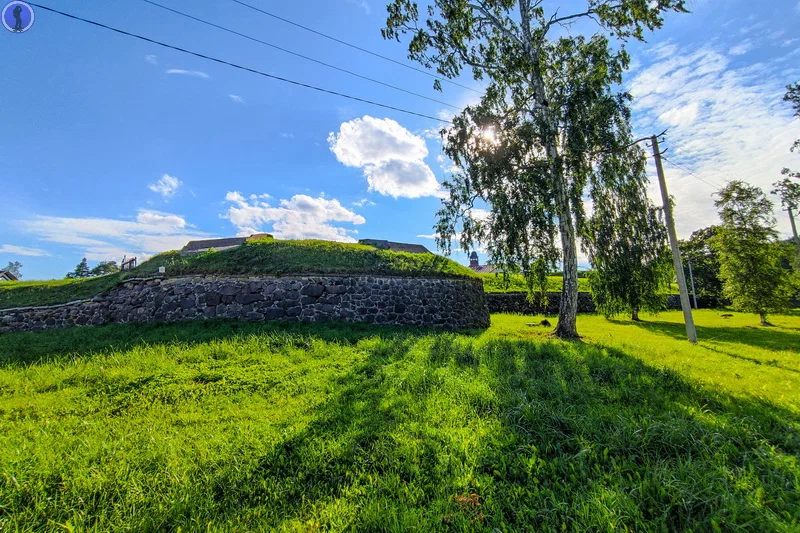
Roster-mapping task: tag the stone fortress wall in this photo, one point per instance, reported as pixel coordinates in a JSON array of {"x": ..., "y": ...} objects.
[{"x": 435, "y": 302}]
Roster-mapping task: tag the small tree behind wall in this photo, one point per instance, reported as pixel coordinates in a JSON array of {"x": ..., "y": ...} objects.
[
  {"x": 750, "y": 258},
  {"x": 81, "y": 270},
  {"x": 626, "y": 241},
  {"x": 698, "y": 252},
  {"x": 15, "y": 267}
]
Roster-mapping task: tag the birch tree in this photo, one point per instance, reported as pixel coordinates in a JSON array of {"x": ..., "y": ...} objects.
[{"x": 552, "y": 111}]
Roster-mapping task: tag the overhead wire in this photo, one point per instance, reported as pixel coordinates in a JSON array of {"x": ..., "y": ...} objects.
[
  {"x": 240, "y": 67},
  {"x": 716, "y": 186},
  {"x": 356, "y": 47},
  {"x": 296, "y": 54}
]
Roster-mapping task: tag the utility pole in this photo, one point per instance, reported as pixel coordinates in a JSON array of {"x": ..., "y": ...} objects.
[
  {"x": 794, "y": 227},
  {"x": 691, "y": 332},
  {"x": 691, "y": 278}
]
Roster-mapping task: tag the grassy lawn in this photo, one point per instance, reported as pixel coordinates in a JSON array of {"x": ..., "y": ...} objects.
[
  {"x": 226, "y": 426},
  {"x": 262, "y": 257}
]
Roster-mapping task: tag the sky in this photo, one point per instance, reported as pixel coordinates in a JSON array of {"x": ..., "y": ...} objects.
[{"x": 111, "y": 146}]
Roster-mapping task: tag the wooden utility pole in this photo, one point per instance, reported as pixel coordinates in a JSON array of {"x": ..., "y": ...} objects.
[
  {"x": 691, "y": 279},
  {"x": 794, "y": 226},
  {"x": 691, "y": 332}
]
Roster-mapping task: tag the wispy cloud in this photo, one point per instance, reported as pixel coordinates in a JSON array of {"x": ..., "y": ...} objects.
[
  {"x": 194, "y": 73},
  {"x": 363, "y": 203},
  {"x": 726, "y": 123},
  {"x": 363, "y": 4},
  {"x": 287, "y": 135},
  {"x": 150, "y": 58},
  {"x": 150, "y": 233},
  {"x": 236, "y": 98},
  {"x": 741, "y": 48},
  {"x": 22, "y": 250},
  {"x": 166, "y": 186}
]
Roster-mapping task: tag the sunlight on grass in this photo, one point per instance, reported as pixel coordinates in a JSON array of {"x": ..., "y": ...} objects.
[
  {"x": 227, "y": 426},
  {"x": 733, "y": 353}
]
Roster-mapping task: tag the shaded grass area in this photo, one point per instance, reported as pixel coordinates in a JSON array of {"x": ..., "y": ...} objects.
[
  {"x": 233, "y": 427},
  {"x": 262, "y": 257}
]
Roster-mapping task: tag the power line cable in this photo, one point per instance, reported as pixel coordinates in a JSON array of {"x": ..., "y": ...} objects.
[
  {"x": 296, "y": 54},
  {"x": 356, "y": 47},
  {"x": 240, "y": 67},
  {"x": 716, "y": 186}
]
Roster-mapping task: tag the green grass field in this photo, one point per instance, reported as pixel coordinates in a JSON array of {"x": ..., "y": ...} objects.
[
  {"x": 262, "y": 257},
  {"x": 224, "y": 426}
]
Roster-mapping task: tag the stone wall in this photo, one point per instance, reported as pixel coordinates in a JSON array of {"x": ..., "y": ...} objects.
[
  {"x": 445, "y": 303},
  {"x": 517, "y": 302}
]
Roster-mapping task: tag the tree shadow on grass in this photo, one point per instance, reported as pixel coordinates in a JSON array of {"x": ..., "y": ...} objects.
[
  {"x": 758, "y": 362},
  {"x": 67, "y": 343},
  {"x": 559, "y": 435},
  {"x": 768, "y": 338},
  {"x": 453, "y": 433}
]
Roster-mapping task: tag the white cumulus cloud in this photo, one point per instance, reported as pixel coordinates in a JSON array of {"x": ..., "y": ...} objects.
[
  {"x": 300, "y": 217},
  {"x": 166, "y": 186},
  {"x": 391, "y": 157}
]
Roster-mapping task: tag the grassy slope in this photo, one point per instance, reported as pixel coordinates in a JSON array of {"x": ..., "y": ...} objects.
[
  {"x": 305, "y": 428},
  {"x": 322, "y": 257},
  {"x": 267, "y": 257},
  {"x": 28, "y": 293}
]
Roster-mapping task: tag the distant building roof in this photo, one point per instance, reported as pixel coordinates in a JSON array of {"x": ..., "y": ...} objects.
[
  {"x": 8, "y": 276},
  {"x": 395, "y": 246},
  {"x": 193, "y": 246},
  {"x": 221, "y": 244},
  {"x": 477, "y": 267}
]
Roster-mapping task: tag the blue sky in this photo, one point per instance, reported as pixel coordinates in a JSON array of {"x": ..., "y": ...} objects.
[{"x": 112, "y": 146}]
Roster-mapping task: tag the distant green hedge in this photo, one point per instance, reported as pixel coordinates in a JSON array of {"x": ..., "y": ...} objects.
[{"x": 516, "y": 283}]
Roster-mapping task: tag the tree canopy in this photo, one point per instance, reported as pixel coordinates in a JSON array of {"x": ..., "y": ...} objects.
[
  {"x": 15, "y": 267},
  {"x": 626, "y": 241},
  {"x": 81, "y": 270},
  {"x": 104, "y": 267},
  {"x": 750, "y": 257},
  {"x": 704, "y": 258},
  {"x": 551, "y": 118}
]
